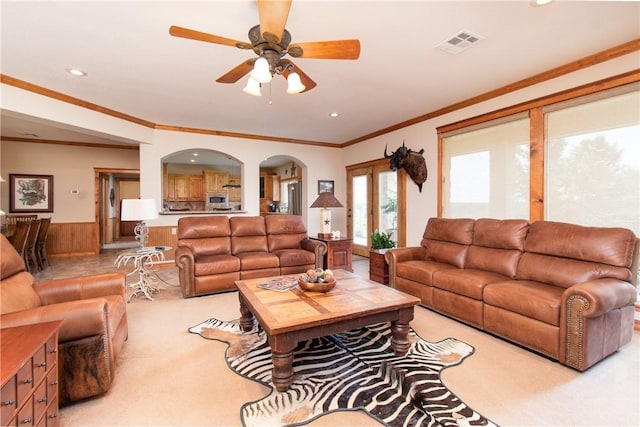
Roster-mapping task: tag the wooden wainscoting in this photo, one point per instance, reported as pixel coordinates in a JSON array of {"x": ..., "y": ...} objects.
[
  {"x": 68, "y": 239},
  {"x": 161, "y": 236}
]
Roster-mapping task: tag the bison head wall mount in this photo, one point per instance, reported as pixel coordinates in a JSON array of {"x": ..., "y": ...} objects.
[{"x": 411, "y": 161}]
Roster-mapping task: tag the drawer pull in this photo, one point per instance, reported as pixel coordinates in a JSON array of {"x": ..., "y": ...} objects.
[
  {"x": 54, "y": 382},
  {"x": 53, "y": 416},
  {"x": 43, "y": 364},
  {"x": 28, "y": 381},
  {"x": 27, "y": 420},
  {"x": 54, "y": 350},
  {"x": 42, "y": 400},
  {"x": 8, "y": 402}
]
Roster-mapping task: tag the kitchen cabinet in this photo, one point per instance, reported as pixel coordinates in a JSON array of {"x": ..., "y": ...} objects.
[
  {"x": 214, "y": 181},
  {"x": 269, "y": 190},
  {"x": 185, "y": 188},
  {"x": 235, "y": 194}
]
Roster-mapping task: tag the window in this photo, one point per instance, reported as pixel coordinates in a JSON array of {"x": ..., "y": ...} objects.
[
  {"x": 573, "y": 159},
  {"x": 486, "y": 171},
  {"x": 593, "y": 162}
]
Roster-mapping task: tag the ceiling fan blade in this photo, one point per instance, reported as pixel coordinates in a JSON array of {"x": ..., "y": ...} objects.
[
  {"x": 273, "y": 16},
  {"x": 336, "y": 49},
  {"x": 238, "y": 72},
  {"x": 305, "y": 79},
  {"x": 204, "y": 37}
]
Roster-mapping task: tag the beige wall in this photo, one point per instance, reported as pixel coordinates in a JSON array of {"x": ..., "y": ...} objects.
[{"x": 72, "y": 167}]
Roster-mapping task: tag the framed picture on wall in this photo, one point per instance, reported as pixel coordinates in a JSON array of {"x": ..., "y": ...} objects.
[
  {"x": 30, "y": 193},
  {"x": 325, "y": 187}
]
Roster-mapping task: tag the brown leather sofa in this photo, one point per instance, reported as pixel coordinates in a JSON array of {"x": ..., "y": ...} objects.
[
  {"x": 94, "y": 328},
  {"x": 215, "y": 251},
  {"x": 563, "y": 290}
]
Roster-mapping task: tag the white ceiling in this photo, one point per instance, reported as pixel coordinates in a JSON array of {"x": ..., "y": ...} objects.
[{"x": 135, "y": 67}]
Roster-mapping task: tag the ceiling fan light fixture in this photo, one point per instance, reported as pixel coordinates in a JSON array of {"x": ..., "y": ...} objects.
[
  {"x": 261, "y": 72},
  {"x": 252, "y": 87},
  {"x": 294, "y": 83}
]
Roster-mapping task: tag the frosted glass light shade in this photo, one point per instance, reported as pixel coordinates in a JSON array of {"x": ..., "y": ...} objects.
[
  {"x": 295, "y": 85},
  {"x": 252, "y": 87},
  {"x": 261, "y": 72}
]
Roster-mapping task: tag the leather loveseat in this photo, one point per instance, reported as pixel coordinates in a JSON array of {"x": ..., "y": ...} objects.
[
  {"x": 93, "y": 311},
  {"x": 563, "y": 290},
  {"x": 215, "y": 251}
]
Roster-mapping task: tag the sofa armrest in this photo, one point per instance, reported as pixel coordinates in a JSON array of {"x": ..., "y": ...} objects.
[
  {"x": 79, "y": 288},
  {"x": 319, "y": 248},
  {"x": 602, "y": 295},
  {"x": 186, "y": 263},
  {"x": 82, "y": 318},
  {"x": 396, "y": 255}
]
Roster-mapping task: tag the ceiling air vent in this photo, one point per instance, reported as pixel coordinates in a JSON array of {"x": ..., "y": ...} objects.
[{"x": 459, "y": 42}]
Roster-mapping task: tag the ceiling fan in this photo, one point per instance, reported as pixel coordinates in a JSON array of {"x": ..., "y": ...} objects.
[{"x": 271, "y": 42}]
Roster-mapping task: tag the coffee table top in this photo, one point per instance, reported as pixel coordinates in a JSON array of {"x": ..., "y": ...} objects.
[{"x": 280, "y": 312}]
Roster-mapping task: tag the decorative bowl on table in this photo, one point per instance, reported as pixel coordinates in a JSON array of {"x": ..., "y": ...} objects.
[{"x": 317, "y": 280}]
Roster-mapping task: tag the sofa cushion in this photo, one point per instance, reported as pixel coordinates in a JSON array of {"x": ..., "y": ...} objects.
[
  {"x": 531, "y": 299},
  {"x": 501, "y": 261},
  {"x": 500, "y": 233},
  {"x": 293, "y": 257},
  {"x": 208, "y": 246},
  {"x": 200, "y": 227},
  {"x": 456, "y": 230},
  {"x": 613, "y": 246},
  {"x": 257, "y": 260},
  {"x": 447, "y": 239},
  {"x": 466, "y": 281},
  {"x": 216, "y": 264},
  {"x": 248, "y": 234},
  {"x": 285, "y": 232},
  {"x": 420, "y": 271}
]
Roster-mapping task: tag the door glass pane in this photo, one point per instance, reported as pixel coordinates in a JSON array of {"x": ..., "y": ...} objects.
[
  {"x": 360, "y": 225},
  {"x": 388, "y": 203}
]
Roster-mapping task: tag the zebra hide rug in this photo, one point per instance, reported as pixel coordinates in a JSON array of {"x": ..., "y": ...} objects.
[{"x": 349, "y": 371}]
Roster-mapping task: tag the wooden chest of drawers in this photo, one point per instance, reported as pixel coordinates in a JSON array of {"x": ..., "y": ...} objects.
[
  {"x": 29, "y": 375},
  {"x": 378, "y": 268}
]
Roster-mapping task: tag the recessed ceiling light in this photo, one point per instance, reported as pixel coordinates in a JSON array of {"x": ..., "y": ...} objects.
[
  {"x": 192, "y": 161},
  {"x": 195, "y": 154},
  {"x": 76, "y": 72},
  {"x": 334, "y": 114}
]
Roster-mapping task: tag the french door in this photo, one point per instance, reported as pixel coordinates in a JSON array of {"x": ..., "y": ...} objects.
[{"x": 375, "y": 201}]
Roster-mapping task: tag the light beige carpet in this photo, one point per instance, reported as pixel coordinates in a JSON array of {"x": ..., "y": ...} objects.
[{"x": 168, "y": 376}]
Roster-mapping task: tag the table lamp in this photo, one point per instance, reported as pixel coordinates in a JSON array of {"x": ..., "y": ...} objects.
[
  {"x": 325, "y": 200},
  {"x": 139, "y": 210}
]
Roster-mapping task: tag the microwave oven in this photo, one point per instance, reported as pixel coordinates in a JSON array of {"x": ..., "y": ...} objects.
[{"x": 217, "y": 200}]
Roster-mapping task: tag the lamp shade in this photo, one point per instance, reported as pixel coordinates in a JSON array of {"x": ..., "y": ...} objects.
[
  {"x": 295, "y": 85},
  {"x": 326, "y": 200},
  {"x": 252, "y": 87},
  {"x": 138, "y": 209},
  {"x": 261, "y": 71}
]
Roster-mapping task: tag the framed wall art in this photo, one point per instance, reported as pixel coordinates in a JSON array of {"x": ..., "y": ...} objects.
[
  {"x": 30, "y": 193},
  {"x": 325, "y": 187}
]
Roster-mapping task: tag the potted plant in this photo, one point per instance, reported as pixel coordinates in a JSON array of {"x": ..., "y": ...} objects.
[
  {"x": 381, "y": 240},
  {"x": 378, "y": 269}
]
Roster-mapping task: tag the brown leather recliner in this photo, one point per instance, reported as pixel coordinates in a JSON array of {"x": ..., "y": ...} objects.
[{"x": 93, "y": 309}]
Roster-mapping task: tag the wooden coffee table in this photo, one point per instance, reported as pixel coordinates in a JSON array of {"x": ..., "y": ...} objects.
[{"x": 295, "y": 315}]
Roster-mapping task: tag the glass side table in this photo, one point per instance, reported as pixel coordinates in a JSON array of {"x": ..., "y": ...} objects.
[{"x": 143, "y": 260}]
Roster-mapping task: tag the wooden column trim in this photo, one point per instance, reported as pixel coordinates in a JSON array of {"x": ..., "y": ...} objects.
[{"x": 536, "y": 164}]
